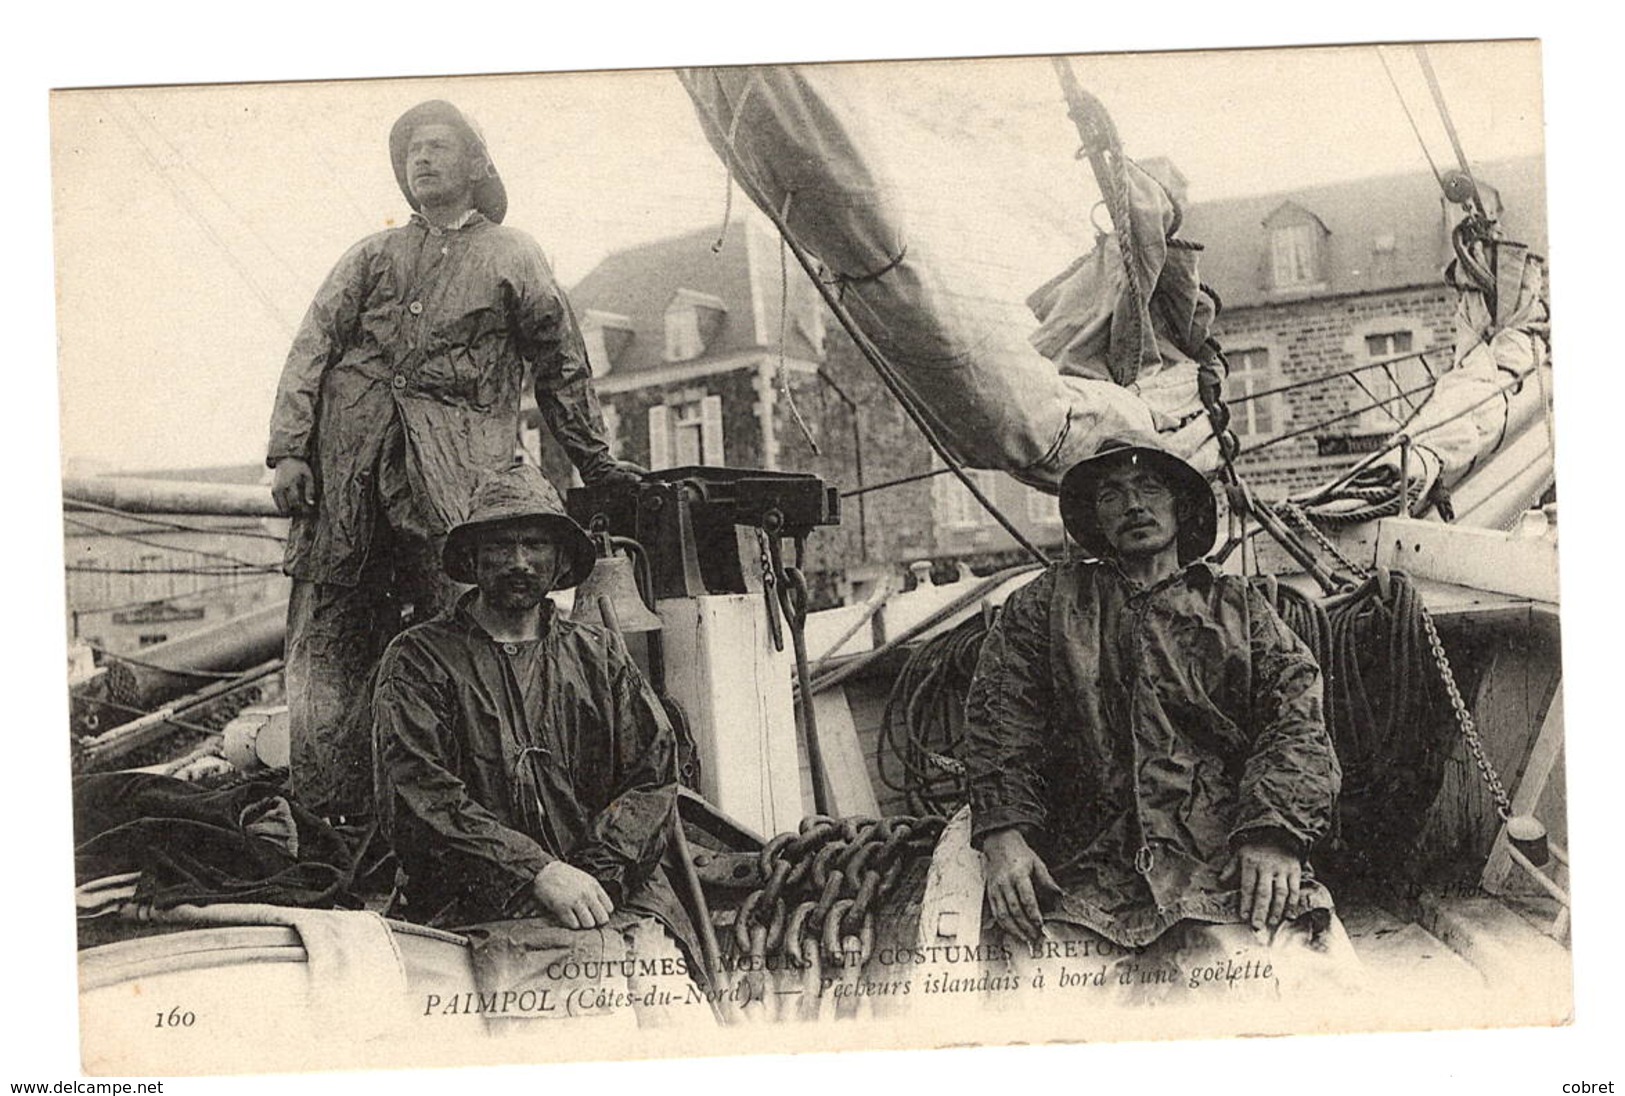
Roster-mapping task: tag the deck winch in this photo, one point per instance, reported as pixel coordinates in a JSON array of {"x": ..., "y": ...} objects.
[{"x": 717, "y": 577}]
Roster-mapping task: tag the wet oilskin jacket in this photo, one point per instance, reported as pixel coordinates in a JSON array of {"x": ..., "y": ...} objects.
[
  {"x": 428, "y": 331},
  {"x": 1137, "y": 736},
  {"x": 501, "y": 758}
]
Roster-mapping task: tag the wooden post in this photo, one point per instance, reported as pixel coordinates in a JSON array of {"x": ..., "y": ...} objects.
[
  {"x": 846, "y": 775},
  {"x": 722, "y": 668},
  {"x": 1542, "y": 758}
]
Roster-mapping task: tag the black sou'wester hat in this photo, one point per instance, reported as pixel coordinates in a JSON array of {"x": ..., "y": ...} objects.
[
  {"x": 513, "y": 493},
  {"x": 490, "y": 196},
  {"x": 1198, "y": 516}
]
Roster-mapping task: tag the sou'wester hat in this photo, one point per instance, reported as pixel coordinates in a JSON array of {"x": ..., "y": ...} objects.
[
  {"x": 1198, "y": 517},
  {"x": 518, "y": 492},
  {"x": 490, "y": 196}
]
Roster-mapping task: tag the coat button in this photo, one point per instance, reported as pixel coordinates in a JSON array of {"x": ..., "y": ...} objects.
[
  {"x": 416, "y": 308},
  {"x": 399, "y": 381}
]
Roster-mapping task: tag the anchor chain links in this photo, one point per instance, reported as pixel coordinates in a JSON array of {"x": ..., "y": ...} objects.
[
  {"x": 770, "y": 582},
  {"x": 1441, "y": 661},
  {"x": 823, "y": 886},
  {"x": 1464, "y": 719},
  {"x": 1295, "y": 514}
]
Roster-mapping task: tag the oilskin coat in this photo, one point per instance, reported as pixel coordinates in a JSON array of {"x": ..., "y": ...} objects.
[
  {"x": 427, "y": 330},
  {"x": 502, "y": 757},
  {"x": 1139, "y": 735}
]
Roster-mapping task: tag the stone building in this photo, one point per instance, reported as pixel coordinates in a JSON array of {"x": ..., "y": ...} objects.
[
  {"x": 728, "y": 356},
  {"x": 1320, "y": 281}
]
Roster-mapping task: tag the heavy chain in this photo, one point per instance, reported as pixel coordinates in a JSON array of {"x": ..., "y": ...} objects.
[
  {"x": 1295, "y": 514},
  {"x": 770, "y": 582},
  {"x": 1464, "y": 718},
  {"x": 823, "y": 884}
]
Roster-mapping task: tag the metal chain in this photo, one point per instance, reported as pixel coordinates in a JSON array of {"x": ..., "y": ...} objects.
[
  {"x": 770, "y": 583},
  {"x": 1295, "y": 513},
  {"x": 1464, "y": 718},
  {"x": 823, "y": 885}
]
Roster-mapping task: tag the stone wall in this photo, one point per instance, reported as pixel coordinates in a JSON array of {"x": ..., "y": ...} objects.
[{"x": 1322, "y": 336}]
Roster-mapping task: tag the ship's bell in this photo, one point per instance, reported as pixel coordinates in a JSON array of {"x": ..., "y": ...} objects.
[{"x": 612, "y": 578}]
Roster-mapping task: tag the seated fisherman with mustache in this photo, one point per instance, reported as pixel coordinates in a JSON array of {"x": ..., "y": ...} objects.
[
  {"x": 529, "y": 766},
  {"x": 1149, "y": 763}
]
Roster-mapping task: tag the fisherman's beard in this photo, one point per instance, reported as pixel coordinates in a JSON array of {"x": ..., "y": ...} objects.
[{"x": 515, "y": 591}]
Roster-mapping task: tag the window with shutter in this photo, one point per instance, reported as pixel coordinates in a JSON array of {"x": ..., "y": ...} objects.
[
  {"x": 687, "y": 432},
  {"x": 711, "y": 431},
  {"x": 659, "y": 438}
]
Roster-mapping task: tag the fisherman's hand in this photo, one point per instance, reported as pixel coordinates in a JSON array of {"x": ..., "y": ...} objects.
[
  {"x": 293, "y": 489},
  {"x": 1015, "y": 877},
  {"x": 569, "y": 894},
  {"x": 1270, "y": 878},
  {"x": 615, "y": 473}
]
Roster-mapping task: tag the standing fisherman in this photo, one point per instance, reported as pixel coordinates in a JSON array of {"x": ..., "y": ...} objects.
[{"x": 401, "y": 390}]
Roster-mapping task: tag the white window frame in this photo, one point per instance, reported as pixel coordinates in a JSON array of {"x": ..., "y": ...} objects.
[
  {"x": 1295, "y": 255},
  {"x": 955, "y": 507},
  {"x": 683, "y": 341},
  {"x": 691, "y": 422},
  {"x": 1391, "y": 415},
  {"x": 596, "y": 327},
  {"x": 612, "y": 427},
  {"x": 686, "y": 334},
  {"x": 592, "y": 337},
  {"x": 1253, "y": 418}
]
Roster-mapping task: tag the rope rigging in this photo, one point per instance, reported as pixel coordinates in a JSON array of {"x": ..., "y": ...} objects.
[
  {"x": 1390, "y": 699},
  {"x": 91, "y": 527},
  {"x": 169, "y": 524}
]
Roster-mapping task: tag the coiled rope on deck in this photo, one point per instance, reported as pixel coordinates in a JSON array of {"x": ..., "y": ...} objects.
[{"x": 1389, "y": 719}]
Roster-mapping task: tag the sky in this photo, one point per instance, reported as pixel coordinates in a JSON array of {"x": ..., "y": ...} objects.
[{"x": 193, "y": 223}]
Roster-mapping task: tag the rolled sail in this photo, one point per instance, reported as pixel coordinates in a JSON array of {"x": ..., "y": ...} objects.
[{"x": 796, "y": 142}]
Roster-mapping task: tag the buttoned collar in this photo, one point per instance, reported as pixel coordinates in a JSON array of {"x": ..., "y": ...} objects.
[{"x": 469, "y": 218}]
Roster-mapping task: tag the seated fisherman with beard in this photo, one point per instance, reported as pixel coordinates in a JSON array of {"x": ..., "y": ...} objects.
[
  {"x": 529, "y": 766},
  {"x": 1149, "y": 763}
]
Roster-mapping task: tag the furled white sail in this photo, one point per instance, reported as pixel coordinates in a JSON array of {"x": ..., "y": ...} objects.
[{"x": 798, "y": 142}]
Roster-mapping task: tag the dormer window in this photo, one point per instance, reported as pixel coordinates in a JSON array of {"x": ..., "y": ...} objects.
[
  {"x": 606, "y": 335},
  {"x": 1297, "y": 247},
  {"x": 1294, "y": 256},
  {"x": 692, "y": 320}
]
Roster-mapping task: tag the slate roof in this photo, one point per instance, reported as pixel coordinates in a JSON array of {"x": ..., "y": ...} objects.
[
  {"x": 639, "y": 282},
  {"x": 1362, "y": 218}
]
